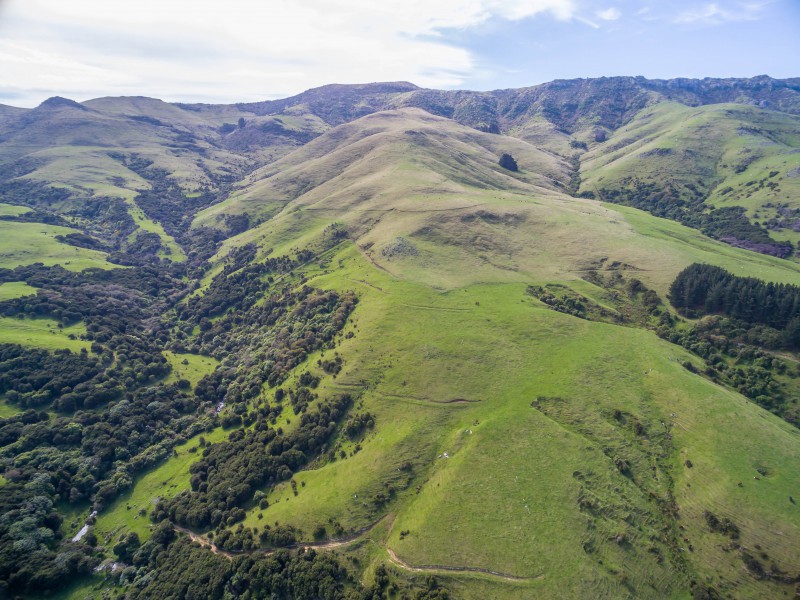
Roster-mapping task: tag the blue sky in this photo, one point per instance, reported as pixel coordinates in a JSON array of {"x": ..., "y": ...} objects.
[
  {"x": 240, "y": 50},
  {"x": 653, "y": 39}
]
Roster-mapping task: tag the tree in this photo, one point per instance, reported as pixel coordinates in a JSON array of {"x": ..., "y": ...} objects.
[
  {"x": 127, "y": 546},
  {"x": 507, "y": 162}
]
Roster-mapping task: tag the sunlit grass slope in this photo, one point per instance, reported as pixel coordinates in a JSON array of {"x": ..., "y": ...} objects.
[
  {"x": 9, "y": 210},
  {"x": 735, "y": 155},
  {"x": 378, "y": 159},
  {"x": 28, "y": 243},
  {"x": 15, "y": 289},
  {"x": 42, "y": 333},
  {"x": 452, "y": 355},
  {"x": 191, "y": 367},
  {"x": 456, "y": 373},
  {"x": 404, "y": 201}
]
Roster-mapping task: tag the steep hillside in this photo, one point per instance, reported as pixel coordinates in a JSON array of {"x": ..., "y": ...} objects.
[
  {"x": 139, "y": 156},
  {"x": 8, "y": 113},
  {"x": 124, "y": 147},
  {"x": 73, "y": 144},
  {"x": 570, "y": 106},
  {"x": 426, "y": 180},
  {"x": 336, "y": 104}
]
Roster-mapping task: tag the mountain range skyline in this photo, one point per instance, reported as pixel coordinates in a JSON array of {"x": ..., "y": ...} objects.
[{"x": 240, "y": 53}]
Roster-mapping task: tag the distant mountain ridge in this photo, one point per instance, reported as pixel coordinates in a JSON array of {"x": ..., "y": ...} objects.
[
  {"x": 576, "y": 97},
  {"x": 563, "y": 101}
]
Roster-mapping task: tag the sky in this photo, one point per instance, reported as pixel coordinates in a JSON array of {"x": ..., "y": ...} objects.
[{"x": 250, "y": 50}]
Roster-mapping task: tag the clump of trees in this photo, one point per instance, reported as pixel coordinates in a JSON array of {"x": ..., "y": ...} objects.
[
  {"x": 744, "y": 318},
  {"x": 167, "y": 566},
  {"x": 507, "y": 162},
  {"x": 165, "y": 201},
  {"x": 358, "y": 424},
  {"x": 332, "y": 366},
  {"x": 705, "y": 289},
  {"x": 181, "y": 569},
  {"x": 721, "y": 525},
  {"x": 241, "y": 284},
  {"x": 32, "y": 559}
]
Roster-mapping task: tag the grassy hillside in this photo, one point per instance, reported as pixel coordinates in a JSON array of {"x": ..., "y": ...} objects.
[
  {"x": 419, "y": 221},
  {"x": 529, "y": 488},
  {"x": 89, "y": 148},
  {"x": 367, "y": 165},
  {"x": 41, "y": 333},
  {"x": 69, "y": 138},
  {"x": 9, "y": 210},
  {"x": 15, "y": 289},
  {"x": 28, "y": 243},
  {"x": 455, "y": 358},
  {"x": 723, "y": 155}
]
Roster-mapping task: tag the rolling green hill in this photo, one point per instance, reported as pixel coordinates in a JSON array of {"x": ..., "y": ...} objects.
[
  {"x": 352, "y": 330},
  {"x": 453, "y": 355},
  {"x": 717, "y": 156}
]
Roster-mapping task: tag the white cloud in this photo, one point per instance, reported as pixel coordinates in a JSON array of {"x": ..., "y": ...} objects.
[
  {"x": 44, "y": 68},
  {"x": 239, "y": 50},
  {"x": 609, "y": 14},
  {"x": 714, "y": 14},
  {"x": 587, "y": 22}
]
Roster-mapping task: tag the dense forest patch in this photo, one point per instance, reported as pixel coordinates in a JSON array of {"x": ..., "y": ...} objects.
[
  {"x": 744, "y": 324},
  {"x": 706, "y": 289},
  {"x": 168, "y": 566}
]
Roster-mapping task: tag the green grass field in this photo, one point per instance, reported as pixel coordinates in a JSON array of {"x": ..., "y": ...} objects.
[
  {"x": 516, "y": 231},
  {"x": 28, "y": 243},
  {"x": 95, "y": 586},
  {"x": 451, "y": 352},
  {"x": 486, "y": 505},
  {"x": 41, "y": 333},
  {"x": 10, "y": 210},
  {"x": 15, "y": 289},
  {"x": 194, "y": 369}
]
